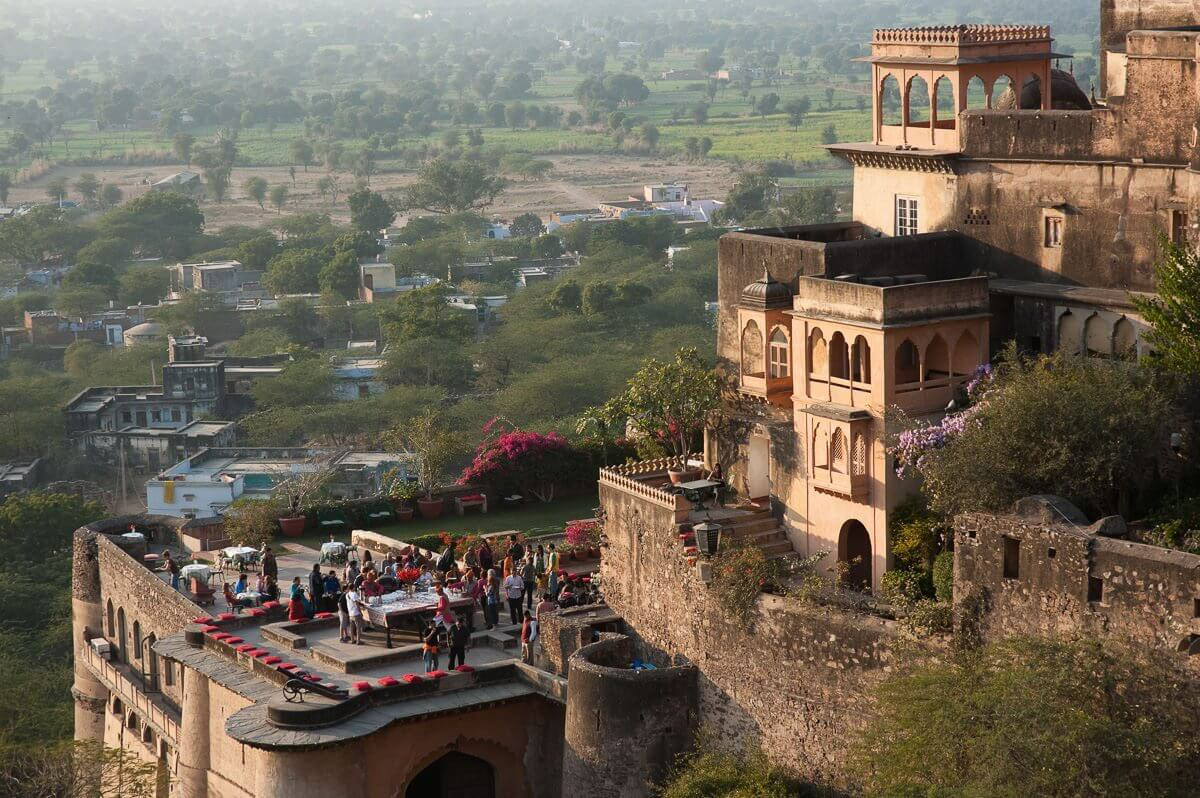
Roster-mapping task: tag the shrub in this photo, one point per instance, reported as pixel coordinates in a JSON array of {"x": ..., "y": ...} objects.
[
  {"x": 904, "y": 588},
  {"x": 943, "y": 576},
  {"x": 917, "y": 533},
  {"x": 529, "y": 462},
  {"x": 740, "y": 573},
  {"x": 713, "y": 772},
  {"x": 583, "y": 533}
]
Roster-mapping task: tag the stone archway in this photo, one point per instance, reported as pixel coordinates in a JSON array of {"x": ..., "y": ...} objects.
[
  {"x": 454, "y": 775},
  {"x": 855, "y": 555}
]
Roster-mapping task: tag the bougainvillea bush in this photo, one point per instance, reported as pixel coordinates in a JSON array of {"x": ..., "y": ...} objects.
[
  {"x": 531, "y": 463},
  {"x": 583, "y": 533}
]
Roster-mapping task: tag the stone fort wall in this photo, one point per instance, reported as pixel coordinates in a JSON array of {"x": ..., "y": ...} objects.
[
  {"x": 796, "y": 681},
  {"x": 1028, "y": 574}
]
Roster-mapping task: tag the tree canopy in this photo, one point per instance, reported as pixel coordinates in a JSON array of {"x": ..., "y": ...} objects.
[{"x": 445, "y": 186}]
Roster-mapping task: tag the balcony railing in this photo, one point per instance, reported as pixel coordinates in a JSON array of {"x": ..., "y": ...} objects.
[
  {"x": 636, "y": 478},
  {"x": 162, "y": 717}
]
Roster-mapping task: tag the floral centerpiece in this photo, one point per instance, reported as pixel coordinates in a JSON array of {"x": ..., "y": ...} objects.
[{"x": 407, "y": 577}]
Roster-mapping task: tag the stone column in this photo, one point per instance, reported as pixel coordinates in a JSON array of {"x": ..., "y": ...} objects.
[
  {"x": 87, "y": 618},
  {"x": 315, "y": 773},
  {"x": 193, "y": 736}
]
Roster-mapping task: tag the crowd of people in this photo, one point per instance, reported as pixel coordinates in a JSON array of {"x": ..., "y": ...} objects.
[{"x": 527, "y": 579}]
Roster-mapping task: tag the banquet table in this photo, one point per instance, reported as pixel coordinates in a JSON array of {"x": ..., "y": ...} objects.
[
  {"x": 239, "y": 554},
  {"x": 398, "y": 610}
]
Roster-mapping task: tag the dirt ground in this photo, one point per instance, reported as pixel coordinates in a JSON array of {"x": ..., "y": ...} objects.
[{"x": 576, "y": 181}]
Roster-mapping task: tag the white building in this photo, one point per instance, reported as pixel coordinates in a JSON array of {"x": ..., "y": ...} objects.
[
  {"x": 357, "y": 377},
  {"x": 206, "y": 483}
]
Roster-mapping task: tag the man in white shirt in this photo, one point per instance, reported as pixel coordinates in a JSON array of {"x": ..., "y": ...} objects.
[
  {"x": 353, "y": 596},
  {"x": 514, "y": 589}
]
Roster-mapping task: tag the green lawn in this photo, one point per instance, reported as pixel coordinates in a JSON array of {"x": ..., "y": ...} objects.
[{"x": 532, "y": 516}]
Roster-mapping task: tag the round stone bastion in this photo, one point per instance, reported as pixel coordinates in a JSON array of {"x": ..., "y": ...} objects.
[{"x": 624, "y": 728}]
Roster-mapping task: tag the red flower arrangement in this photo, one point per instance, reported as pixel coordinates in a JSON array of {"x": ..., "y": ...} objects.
[{"x": 408, "y": 575}]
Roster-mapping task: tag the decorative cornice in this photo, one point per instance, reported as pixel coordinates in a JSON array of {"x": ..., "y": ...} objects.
[
  {"x": 899, "y": 160},
  {"x": 961, "y": 34}
]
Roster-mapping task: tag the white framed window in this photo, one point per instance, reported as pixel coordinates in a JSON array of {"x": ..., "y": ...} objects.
[
  {"x": 778, "y": 364},
  {"x": 1054, "y": 225},
  {"x": 907, "y": 215}
]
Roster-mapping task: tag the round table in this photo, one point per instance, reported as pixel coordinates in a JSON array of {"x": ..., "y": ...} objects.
[
  {"x": 332, "y": 550},
  {"x": 252, "y": 596},
  {"x": 198, "y": 570}
]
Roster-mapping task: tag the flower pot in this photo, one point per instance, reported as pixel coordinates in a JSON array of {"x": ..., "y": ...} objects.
[
  {"x": 594, "y": 552},
  {"x": 292, "y": 525},
  {"x": 681, "y": 475},
  {"x": 431, "y": 508},
  {"x": 404, "y": 513}
]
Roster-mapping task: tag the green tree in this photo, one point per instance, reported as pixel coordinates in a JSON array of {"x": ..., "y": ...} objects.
[
  {"x": 87, "y": 186},
  {"x": 527, "y": 225},
  {"x": 279, "y": 197},
  {"x": 157, "y": 223},
  {"x": 669, "y": 401},
  {"x": 547, "y": 246},
  {"x": 183, "y": 143},
  {"x": 444, "y": 186},
  {"x": 712, "y": 771},
  {"x": 796, "y": 110},
  {"x": 752, "y": 193},
  {"x": 1033, "y": 717},
  {"x": 5, "y": 186},
  {"x": 699, "y": 113},
  {"x": 308, "y": 381},
  {"x": 598, "y": 298},
  {"x": 432, "y": 256},
  {"x": 361, "y": 242},
  {"x": 340, "y": 276},
  {"x": 255, "y": 253},
  {"x": 1174, "y": 312},
  {"x": 369, "y": 211},
  {"x": 295, "y": 271},
  {"x": 56, "y": 189},
  {"x": 1083, "y": 428},
  {"x": 143, "y": 285},
  {"x": 435, "y": 444},
  {"x": 256, "y": 189},
  {"x": 302, "y": 152},
  {"x": 567, "y": 297},
  {"x": 110, "y": 196},
  {"x": 810, "y": 205},
  {"x": 429, "y": 361},
  {"x": 767, "y": 104},
  {"x": 424, "y": 313},
  {"x": 79, "y": 301},
  {"x": 829, "y": 134},
  {"x": 650, "y": 135}
]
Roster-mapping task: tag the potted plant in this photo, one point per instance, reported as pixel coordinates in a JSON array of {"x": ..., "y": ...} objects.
[
  {"x": 299, "y": 488},
  {"x": 435, "y": 446},
  {"x": 584, "y": 537},
  {"x": 669, "y": 403},
  {"x": 401, "y": 492}
]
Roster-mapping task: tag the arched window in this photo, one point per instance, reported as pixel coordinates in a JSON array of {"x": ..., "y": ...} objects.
[
  {"x": 918, "y": 102},
  {"x": 908, "y": 363},
  {"x": 858, "y": 456},
  {"x": 860, "y": 361},
  {"x": 837, "y": 452},
  {"x": 122, "y": 640},
  {"x": 820, "y": 447},
  {"x": 137, "y": 640},
  {"x": 780, "y": 355},
  {"x": 752, "y": 350},
  {"x": 937, "y": 359},
  {"x": 839, "y": 357},
  {"x": 818, "y": 355},
  {"x": 108, "y": 614},
  {"x": 966, "y": 354},
  {"x": 1125, "y": 339},
  {"x": 889, "y": 101},
  {"x": 117, "y": 707},
  {"x": 1001, "y": 85},
  {"x": 976, "y": 93},
  {"x": 1070, "y": 333},
  {"x": 943, "y": 101},
  {"x": 132, "y": 721},
  {"x": 152, "y": 667},
  {"x": 1097, "y": 336}
]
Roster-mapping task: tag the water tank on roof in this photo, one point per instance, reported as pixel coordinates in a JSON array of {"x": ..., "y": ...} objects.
[{"x": 909, "y": 279}]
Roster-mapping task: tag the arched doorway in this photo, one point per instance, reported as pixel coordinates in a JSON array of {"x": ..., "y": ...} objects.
[
  {"x": 854, "y": 556},
  {"x": 454, "y": 775}
]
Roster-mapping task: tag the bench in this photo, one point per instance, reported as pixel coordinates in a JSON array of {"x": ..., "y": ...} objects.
[
  {"x": 461, "y": 503},
  {"x": 333, "y": 520},
  {"x": 380, "y": 512}
]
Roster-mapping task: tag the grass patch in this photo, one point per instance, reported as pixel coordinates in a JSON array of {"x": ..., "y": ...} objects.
[{"x": 522, "y": 519}]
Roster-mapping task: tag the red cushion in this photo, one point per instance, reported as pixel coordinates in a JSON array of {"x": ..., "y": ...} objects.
[
  {"x": 209, "y": 628},
  {"x": 472, "y": 497},
  {"x": 587, "y": 579},
  {"x": 245, "y": 648},
  {"x": 410, "y": 678},
  {"x": 202, "y": 619},
  {"x": 220, "y": 635},
  {"x": 271, "y": 660},
  {"x": 270, "y": 605},
  {"x": 465, "y": 669},
  {"x": 232, "y": 640},
  {"x": 288, "y": 666},
  {"x": 312, "y": 677},
  {"x": 256, "y": 611},
  {"x": 329, "y": 685},
  {"x": 323, "y": 615},
  {"x": 227, "y": 616},
  {"x": 387, "y": 681},
  {"x": 362, "y": 686},
  {"x": 262, "y": 653},
  {"x": 437, "y": 674}
]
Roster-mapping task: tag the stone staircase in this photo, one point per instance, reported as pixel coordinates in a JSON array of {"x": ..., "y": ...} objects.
[{"x": 759, "y": 529}]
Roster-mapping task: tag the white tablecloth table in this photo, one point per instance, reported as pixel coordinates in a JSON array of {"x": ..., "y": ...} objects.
[
  {"x": 332, "y": 549},
  {"x": 198, "y": 570},
  {"x": 133, "y": 537},
  {"x": 250, "y": 595}
]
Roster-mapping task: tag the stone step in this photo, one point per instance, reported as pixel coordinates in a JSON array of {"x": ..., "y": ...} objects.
[
  {"x": 743, "y": 532},
  {"x": 777, "y": 548}
]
